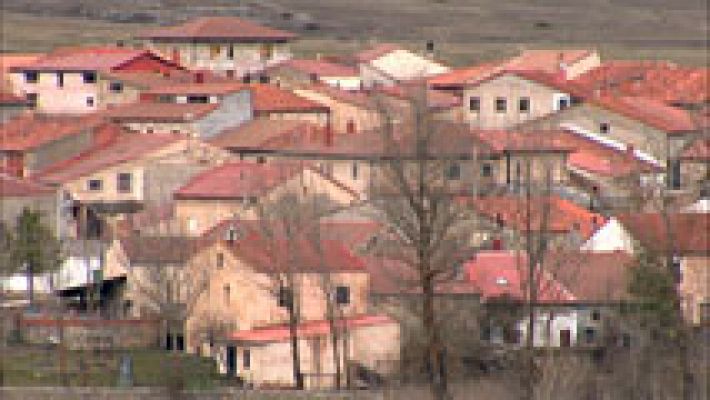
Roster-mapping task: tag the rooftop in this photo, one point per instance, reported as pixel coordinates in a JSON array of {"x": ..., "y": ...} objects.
[
  {"x": 219, "y": 28},
  {"x": 511, "y": 140},
  {"x": 318, "y": 67},
  {"x": 11, "y": 186},
  {"x": 163, "y": 112},
  {"x": 88, "y": 59},
  {"x": 261, "y": 133},
  {"x": 689, "y": 232},
  {"x": 648, "y": 111},
  {"x": 29, "y": 131}
]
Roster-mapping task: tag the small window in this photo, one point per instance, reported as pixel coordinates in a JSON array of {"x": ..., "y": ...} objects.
[
  {"x": 124, "y": 182},
  {"x": 246, "y": 78},
  {"x": 501, "y": 105},
  {"x": 604, "y": 127},
  {"x": 263, "y": 79},
  {"x": 89, "y": 101},
  {"x": 175, "y": 131},
  {"x": 474, "y": 104},
  {"x": 589, "y": 335},
  {"x": 454, "y": 171},
  {"x": 227, "y": 294},
  {"x": 220, "y": 261},
  {"x": 486, "y": 170},
  {"x": 198, "y": 99},
  {"x": 31, "y": 99},
  {"x": 285, "y": 297},
  {"x": 246, "y": 359},
  {"x": 94, "y": 185},
  {"x": 31, "y": 76},
  {"x": 563, "y": 103},
  {"x": 524, "y": 104},
  {"x": 252, "y": 200},
  {"x": 89, "y": 77},
  {"x": 215, "y": 50},
  {"x": 342, "y": 295},
  {"x": 116, "y": 87},
  {"x": 675, "y": 174},
  {"x": 60, "y": 79},
  {"x": 596, "y": 315},
  {"x": 230, "y": 52},
  {"x": 486, "y": 333},
  {"x": 149, "y": 130},
  {"x": 260, "y": 159},
  {"x": 355, "y": 171}
]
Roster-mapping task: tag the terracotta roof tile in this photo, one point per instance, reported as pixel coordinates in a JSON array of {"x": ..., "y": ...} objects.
[
  {"x": 457, "y": 78},
  {"x": 232, "y": 28},
  {"x": 519, "y": 141},
  {"x": 123, "y": 147},
  {"x": 237, "y": 180},
  {"x": 357, "y": 98},
  {"x": 261, "y": 133},
  {"x": 30, "y": 131},
  {"x": 552, "y": 80},
  {"x": 281, "y": 333},
  {"x": 11, "y": 186},
  {"x": 9, "y": 61},
  {"x": 318, "y": 67},
  {"x": 163, "y": 112},
  {"x": 269, "y": 99},
  {"x": 81, "y": 59},
  {"x": 547, "y": 60},
  {"x": 690, "y": 232},
  {"x": 9, "y": 99},
  {"x": 563, "y": 216},
  {"x": 651, "y": 112}
]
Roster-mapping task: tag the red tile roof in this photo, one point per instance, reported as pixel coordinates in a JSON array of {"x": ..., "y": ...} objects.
[
  {"x": 154, "y": 80},
  {"x": 357, "y": 98},
  {"x": 563, "y": 216},
  {"x": 262, "y": 133},
  {"x": 519, "y": 141},
  {"x": 280, "y": 333},
  {"x": 651, "y": 112},
  {"x": 318, "y": 67},
  {"x": 690, "y": 233},
  {"x": 547, "y": 60},
  {"x": 660, "y": 80},
  {"x": 9, "y": 99},
  {"x": 552, "y": 80},
  {"x": 193, "y": 88},
  {"x": 160, "y": 112},
  {"x": 237, "y": 180},
  {"x": 225, "y": 28},
  {"x": 30, "y": 131},
  {"x": 11, "y": 186},
  {"x": 124, "y": 147},
  {"x": 270, "y": 99},
  {"x": 8, "y": 61},
  {"x": 699, "y": 150},
  {"x": 435, "y": 99},
  {"x": 376, "y": 52},
  {"x": 88, "y": 59},
  {"x": 457, "y": 78}
]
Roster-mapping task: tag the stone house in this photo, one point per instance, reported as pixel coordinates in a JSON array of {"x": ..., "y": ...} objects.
[
  {"x": 67, "y": 81},
  {"x": 229, "y": 46},
  {"x": 350, "y": 111},
  {"x": 389, "y": 64},
  {"x": 234, "y": 189},
  {"x": 688, "y": 246}
]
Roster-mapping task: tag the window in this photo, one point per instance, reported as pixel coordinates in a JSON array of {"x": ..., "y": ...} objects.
[
  {"x": 355, "y": 171},
  {"x": 246, "y": 359},
  {"x": 116, "y": 87},
  {"x": 230, "y": 52},
  {"x": 227, "y": 293},
  {"x": 260, "y": 159},
  {"x": 589, "y": 335},
  {"x": 677, "y": 269},
  {"x": 675, "y": 174},
  {"x": 454, "y": 171},
  {"x": 604, "y": 127},
  {"x": 31, "y": 76},
  {"x": 263, "y": 79},
  {"x": 285, "y": 297},
  {"x": 94, "y": 185},
  {"x": 704, "y": 312},
  {"x": 246, "y": 78},
  {"x": 563, "y": 103},
  {"x": 220, "y": 261},
  {"x": 474, "y": 104},
  {"x": 124, "y": 182},
  {"x": 89, "y": 77},
  {"x": 267, "y": 51},
  {"x": 596, "y": 315},
  {"x": 31, "y": 99},
  {"x": 486, "y": 170},
  {"x": 501, "y": 105},
  {"x": 342, "y": 295},
  {"x": 89, "y": 101},
  {"x": 215, "y": 50},
  {"x": 524, "y": 104},
  {"x": 198, "y": 99},
  {"x": 60, "y": 79}
]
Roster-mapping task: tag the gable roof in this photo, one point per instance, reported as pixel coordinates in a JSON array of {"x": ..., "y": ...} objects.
[
  {"x": 317, "y": 67},
  {"x": 457, "y": 78},
  {"x": 222, "y": 28},
  {"x": 547, "y": 60},
  {"x": 552, "y": 80},
  {"x": 258, "y": 133},
  {"x": 11, "y": 186},
  {"x": 160, "y": 112},
  {"x": 124, "y": 147},
  {"x": 89, "y": 59},
  {"x": 563, "y": 216},
  {"x": 29, "y": 131},
  {"x": 9, "y": 99},
  {"x": 237, "y": 180},
  {"x": 512, "y": 140},
  {"x": 269, "y": 99},
  {"x": 689, "y": 232}
]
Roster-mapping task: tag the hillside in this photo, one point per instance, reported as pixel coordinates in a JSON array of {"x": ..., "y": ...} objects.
[{"x": 464, "y": 30}]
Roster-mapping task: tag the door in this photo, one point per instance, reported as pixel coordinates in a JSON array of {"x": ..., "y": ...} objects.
[
  {"x": 565, "y": 338},
  {"x": 231, "y": 360}
]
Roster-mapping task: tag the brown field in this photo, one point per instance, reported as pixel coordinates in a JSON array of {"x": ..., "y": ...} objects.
[{"x": 465, "y": 31}]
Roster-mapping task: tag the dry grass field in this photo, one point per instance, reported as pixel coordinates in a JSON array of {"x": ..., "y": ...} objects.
[{"x": 465, "y": 31}]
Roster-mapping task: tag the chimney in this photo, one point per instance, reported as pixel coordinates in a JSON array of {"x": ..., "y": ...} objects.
[{"x": 199, "y": 77}]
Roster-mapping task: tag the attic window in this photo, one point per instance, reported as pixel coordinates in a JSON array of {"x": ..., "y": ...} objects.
[
  {"x": 524, "y": 104},
  {"x": 94, "y": 185},
  {"x": 501, "y": 281},
  {"x": 501, "y": 104},
  {"x": 474, "y": 104},
  {"x": 89, "y": 77},
  {"x": 31, "y": 76},
  {"x": 116, "y": 87},
  {"x": 604, "y": 127}
]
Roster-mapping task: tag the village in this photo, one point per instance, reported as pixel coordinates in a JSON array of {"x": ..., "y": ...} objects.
[{"x": 367, "y": 221}]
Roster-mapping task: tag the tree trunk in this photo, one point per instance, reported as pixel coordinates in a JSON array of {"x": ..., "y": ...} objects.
[
  {"x": 336, "y": 350},
  {"x": 295, "y": 356},
  {"x": 437, "y": 373}
]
